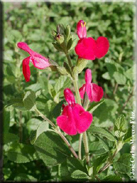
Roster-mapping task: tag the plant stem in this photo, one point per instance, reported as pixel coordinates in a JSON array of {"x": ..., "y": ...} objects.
[
  {"x": 97, "y": 178},
  {"x": 79, "y": 148},
  {"x": 56, "y": 129},
  {"x": 68, "y": 144},
  {"x": 20, "y": 123},
  {"x": 129, "y": 97},
  {"x": 77, "y": 91},
  {"x": 45, "y": 118},
  {"x": 115, "y": 89},
  {"x": 85, "y": 140},
  {"x": 69, "y": 60},
  {"x": 108, "y": 163}
]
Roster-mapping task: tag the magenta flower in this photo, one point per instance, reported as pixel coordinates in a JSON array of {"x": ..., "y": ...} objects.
[
  {"x": 74, "y": 118},
  {"x": 87, "y": 47},
  {"x": 81, "y": 29},
  {"x": 94, "y": 92},
  {"x": 35, "y": 58}
]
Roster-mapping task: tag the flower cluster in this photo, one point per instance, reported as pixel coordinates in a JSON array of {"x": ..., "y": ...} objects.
[{"x": 74, "y": 119}]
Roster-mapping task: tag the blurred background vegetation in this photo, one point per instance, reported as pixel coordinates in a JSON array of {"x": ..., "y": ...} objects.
[{"x": 33, "y": 23}]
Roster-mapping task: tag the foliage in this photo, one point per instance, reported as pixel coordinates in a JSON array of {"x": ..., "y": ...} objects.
[{"x": 110, "y": 131}]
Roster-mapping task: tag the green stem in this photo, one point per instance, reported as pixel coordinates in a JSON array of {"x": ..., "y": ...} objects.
[
  {"x": 79, "y": 148},
  {"x": 45, "y": 118},
  {"x": 57, "y": 130},
  {"x": 69, "y": 60},
  {"x": 85, "y": 140},
  {"x": 77, "y": 91},
  {"x": 110, "y": 161}
]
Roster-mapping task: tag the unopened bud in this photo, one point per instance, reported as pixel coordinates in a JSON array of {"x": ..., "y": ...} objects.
[{"x": 60, "y": 39}]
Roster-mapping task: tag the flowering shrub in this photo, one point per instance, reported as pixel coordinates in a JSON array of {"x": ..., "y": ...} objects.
[{"x": 62, "y": 121}]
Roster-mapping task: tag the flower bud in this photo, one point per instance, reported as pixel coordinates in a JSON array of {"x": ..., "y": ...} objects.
[
  {"x": 60, "y": 39},
  {"x": 81, "y": 29}
]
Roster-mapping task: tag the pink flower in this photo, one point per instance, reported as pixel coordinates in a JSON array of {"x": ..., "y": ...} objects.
[
  {"x": 35, "y": 58},
  {"x": 81, "y": 29},
  {"x": 87, "y": 47},
  {"x": 94, "y": 92},
  {"x": 74, "y": 118}
]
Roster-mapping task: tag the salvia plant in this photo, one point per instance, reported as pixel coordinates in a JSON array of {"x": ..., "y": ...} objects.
[{"x": 54, "y": 139}]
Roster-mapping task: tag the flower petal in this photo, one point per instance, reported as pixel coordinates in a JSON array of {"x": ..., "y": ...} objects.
[
  {"x": 81, "y": 29},
  {"x": 26, "y": 69},
  {"x": 82, "y": 91},
  {"x": 96, "y": 93},
  {"x": 66, "y": 122},
  {"x": 102, "y": 47},
  {"x": 85, "y": 48},
  {"x": 40, "y": 62},
  {"x": 69, "y": 96},
  {"x": 25, "y": 47},
  {"x": 88, "y": 76},
  {"x": 82, "y": 118}
]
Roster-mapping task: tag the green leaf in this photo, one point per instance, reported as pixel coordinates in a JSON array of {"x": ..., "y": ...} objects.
[
  {"x": 78, "y": 174},
  {"x": 16, "y": 103},
  {"x": 51, "y": 148},
  {"x": 105, "y": 146},
  {"x": 33, "y": 124},
  {"x": 43, "y": 127},
  {"x": 123, "y": 165},
  {"x": 6, "y": 120},
  {"x": 96, "y": 148},
  {"x": 62, "y": 70},
  {"x": 94, "y": 105},
  {"x": 129, "y": 73},
  {"x": 69, "y": 166},
  {"x": 120, "y": 78},
  {"x": 102, "y": 132},
  {"x": 51, "y": 90},
  {"x": 24, "y": 177},
  {"x": 29, "y": 100},
  {"x": 81, "y": 64},
  {"x": 69, "y": 44},
  {"x": 57, "y": 46},
  {"x": 61, "y": 83},
  {"x": 106, "y": 76},
  {"x": 34, "y": 87},
  {"x": 99, "y": 162},
  {"x": 121, "y": 124},
  {"x": 67, "y": 32},
  {"x": 10, "y": 137},
  {"x": 21, "y": 153},
  {"x": 112, "y": 178}
]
